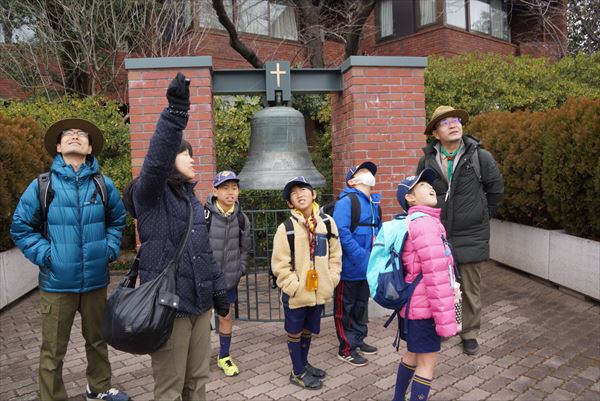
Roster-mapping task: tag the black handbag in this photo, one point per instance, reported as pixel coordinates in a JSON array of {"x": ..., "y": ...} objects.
[{"x": 140, "y": 320}]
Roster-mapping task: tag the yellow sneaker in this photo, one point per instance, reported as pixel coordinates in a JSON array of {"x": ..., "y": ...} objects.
[{"x": 228, "y": 366}]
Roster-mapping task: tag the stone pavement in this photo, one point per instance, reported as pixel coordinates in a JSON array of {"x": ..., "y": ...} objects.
[{"x": 537, "y": 343}]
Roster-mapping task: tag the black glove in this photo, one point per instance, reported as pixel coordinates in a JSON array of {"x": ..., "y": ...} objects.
[
  {"x": 221, "y": 303},
  {"x": 178, "y": 93}
]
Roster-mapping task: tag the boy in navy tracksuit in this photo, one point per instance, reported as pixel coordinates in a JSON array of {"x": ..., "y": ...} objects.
[{"x": 351, "y": 296}]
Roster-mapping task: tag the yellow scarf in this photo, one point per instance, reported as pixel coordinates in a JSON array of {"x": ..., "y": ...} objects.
[{"x": 312, "y": 222}]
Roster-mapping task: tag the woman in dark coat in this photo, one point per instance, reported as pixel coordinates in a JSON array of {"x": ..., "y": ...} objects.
[{"x": 158, "y": 200}]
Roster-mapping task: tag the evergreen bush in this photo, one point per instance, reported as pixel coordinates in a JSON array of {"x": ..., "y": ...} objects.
[{"x": 20, "y": 162}]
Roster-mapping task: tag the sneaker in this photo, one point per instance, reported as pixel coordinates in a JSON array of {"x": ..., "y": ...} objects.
[
  {"x": 111, "y": 395},
  {"x": 367, "y": 349},
  {"x": 316, "y": 372},
  {"x": 306, "y": 380},
  {"x": 470, "y": 346},
  {"x": 353, "y": 359},
  {"x": 228, "y": 366}
]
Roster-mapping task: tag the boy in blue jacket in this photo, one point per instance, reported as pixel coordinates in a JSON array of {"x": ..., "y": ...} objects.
[{"x": 351, "y": 296}]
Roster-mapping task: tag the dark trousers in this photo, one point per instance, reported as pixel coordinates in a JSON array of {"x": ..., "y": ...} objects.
[{"x": 351, "y": 305}]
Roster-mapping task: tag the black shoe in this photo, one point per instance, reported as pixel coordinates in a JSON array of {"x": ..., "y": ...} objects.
[
  {"x": 367, "y": 349},
  {"x": 470, "y": 346},
  {"x": 306, "y": 380},
  {"x": 353, "y": 359},
  {"x": 316, "y": 372}
]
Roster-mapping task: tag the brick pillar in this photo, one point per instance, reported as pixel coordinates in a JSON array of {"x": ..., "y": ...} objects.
[
  {"x": 380, "y": 116},
  {"x": 148, "y": 82}
]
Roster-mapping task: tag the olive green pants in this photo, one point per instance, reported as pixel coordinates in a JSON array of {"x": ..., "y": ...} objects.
[
  {"x": 181, "y": 366},
  {"x": 471, "y": 300},
  {"x": 58, "y": 312}
]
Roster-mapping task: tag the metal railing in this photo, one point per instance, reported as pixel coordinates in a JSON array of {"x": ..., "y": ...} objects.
[{"x": 257, "y": 300}]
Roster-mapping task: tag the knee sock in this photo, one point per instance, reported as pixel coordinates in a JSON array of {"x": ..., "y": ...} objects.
[
  {"x": 405, "y": 373},
  {"x": 419, "y": 390},
  {"x": 305, "y": 343},
  {"x": 225, "y": 342},
  {"x": 295, "y": 354}
]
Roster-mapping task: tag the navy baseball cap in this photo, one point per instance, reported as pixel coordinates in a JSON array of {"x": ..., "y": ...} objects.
[
  {"x": 224, "y": 176},
  {"x": 299, "y": 181},
  {"x": 368, "y": 165},
  {"x": 427, "y": 175}
]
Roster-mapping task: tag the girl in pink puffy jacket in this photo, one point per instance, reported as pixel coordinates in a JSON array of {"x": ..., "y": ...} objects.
[{"x": 431, "y": 315}]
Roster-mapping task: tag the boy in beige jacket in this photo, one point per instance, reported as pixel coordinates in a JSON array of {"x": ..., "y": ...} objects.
[{"x": 307, "y": 261}]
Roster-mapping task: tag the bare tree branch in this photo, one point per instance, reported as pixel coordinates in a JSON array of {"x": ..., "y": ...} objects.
[{"x": 234, "y": 39}]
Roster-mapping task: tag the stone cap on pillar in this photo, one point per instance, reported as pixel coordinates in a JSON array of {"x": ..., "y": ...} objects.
[
  {"x": 383, "y": 61},
  {"x": 168, "y": 62}
]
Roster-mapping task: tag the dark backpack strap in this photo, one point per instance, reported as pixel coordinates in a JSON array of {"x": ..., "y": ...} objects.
[
  {"x": 354, "y": 211},
  {"x": 327, "y": 220},
  {"x": 477, "y": 164},
  {"x": 101, "y": 190},
  {"x": 242, "y": 225},
  {"x": 289, "y": 230},
  {"x": 45, "y": 196},
  {"x": 207, "y": 218}
]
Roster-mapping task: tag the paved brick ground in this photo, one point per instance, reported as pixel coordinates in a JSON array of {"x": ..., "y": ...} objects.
[{"x": 537, "y": 343}]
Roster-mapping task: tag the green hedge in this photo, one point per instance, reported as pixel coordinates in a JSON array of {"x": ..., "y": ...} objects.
[
  {"x": 482, "y": 83},
  {"x": 551, "y": 165},
  {"x": 115, "y": 159}
]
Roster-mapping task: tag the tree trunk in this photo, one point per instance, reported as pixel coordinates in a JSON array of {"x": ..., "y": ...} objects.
[
  {"x": 310, "y": 17},
  {"x": 353, "y": 39}
]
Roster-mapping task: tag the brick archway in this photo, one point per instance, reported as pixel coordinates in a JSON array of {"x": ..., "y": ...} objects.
[{"x": 379, "y": 115}]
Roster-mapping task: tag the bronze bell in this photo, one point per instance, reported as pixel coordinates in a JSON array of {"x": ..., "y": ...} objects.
[{"x": 278, "y": 151}]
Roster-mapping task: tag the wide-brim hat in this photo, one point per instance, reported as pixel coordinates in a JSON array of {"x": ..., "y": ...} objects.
[
  {"x": 56, "y": 129},
  {"x": 428, "y": 175},
  {"x": 299, "y": 181},
  {"x": 445, "y": 111},
  {"x": 368, "y": 165}
]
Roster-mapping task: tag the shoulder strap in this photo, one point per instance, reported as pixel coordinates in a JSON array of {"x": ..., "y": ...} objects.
[
  {"x": 289, "y": 230},
  {"x": 477, "y": 164},
  {"x": 327, "y": 220},
  {"x": 45, "y": 196},
  {"x": 207, "y": 218},
  {"x": 242, "y": 224},
  {"x": 354, "y": 211},
  {"x": 100, "y": 184}
]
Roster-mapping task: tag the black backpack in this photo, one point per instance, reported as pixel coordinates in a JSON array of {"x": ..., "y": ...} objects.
[
  {"x": 289, "y": 230},
  {"x": 354, "y": 211},
  {"x": 46, "y": 195}
]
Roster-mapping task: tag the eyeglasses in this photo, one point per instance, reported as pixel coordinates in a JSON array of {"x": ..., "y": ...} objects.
[
  {"x": 73, "y": 133},
  {"x": 449, "y": 121}
]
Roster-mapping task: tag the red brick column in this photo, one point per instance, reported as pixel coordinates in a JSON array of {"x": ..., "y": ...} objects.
[
  {"x": 380, "y": 116},
  {"x": 148, "y": 82}
]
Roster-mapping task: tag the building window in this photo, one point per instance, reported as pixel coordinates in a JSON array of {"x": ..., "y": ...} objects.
[
  {"x": 499, "y": 20},
  {"x": 456, "y": 14},
  {"x": 480, "y": 16},
  {"x": 261, "y": 17},
  {"x": 386, "y": 18},
  {"x": 426, "y": 12}
]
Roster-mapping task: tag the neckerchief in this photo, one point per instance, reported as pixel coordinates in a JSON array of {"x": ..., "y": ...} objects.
[
  {"x": 311, "y": 228},
  {"x": 225, "y": 212},
  {"x": 450, "y": 157}
]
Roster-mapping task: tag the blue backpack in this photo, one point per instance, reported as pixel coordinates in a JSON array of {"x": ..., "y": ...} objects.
[{"x": 385, "y": 273}]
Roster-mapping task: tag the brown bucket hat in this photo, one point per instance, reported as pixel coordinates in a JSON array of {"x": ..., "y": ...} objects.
[
  {"x": 52, "y": 134},
  {"x": 442, "y": 112}
]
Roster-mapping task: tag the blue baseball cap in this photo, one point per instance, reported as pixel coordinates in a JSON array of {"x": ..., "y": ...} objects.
[
  {"x": 299, "y": 181},
  {"x": 368, "y": 165},
  {"x": 427, "y": 175},
  {"x": 225, "y": 176}
]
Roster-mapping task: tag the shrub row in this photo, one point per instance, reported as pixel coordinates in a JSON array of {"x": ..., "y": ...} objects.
[{"x": 551, "y": 164}]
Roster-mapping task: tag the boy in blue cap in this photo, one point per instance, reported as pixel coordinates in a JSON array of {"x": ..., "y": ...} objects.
[
  {"x": 351, "y": 298},
  {"x": 307, "y": 262},
  {"x": 229, "y": 232}
]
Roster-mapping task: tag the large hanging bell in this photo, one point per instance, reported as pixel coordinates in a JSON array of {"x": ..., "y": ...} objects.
[{"x": 278, "y": 151}]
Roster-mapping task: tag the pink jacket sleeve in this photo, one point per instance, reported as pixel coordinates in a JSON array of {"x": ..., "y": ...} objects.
[{"x": 427, "y": 240}]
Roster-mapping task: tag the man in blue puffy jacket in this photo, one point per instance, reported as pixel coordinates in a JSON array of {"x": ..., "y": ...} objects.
[
  {"x": 351, "y": 298},
  {"x": 72, "y": 245}
]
